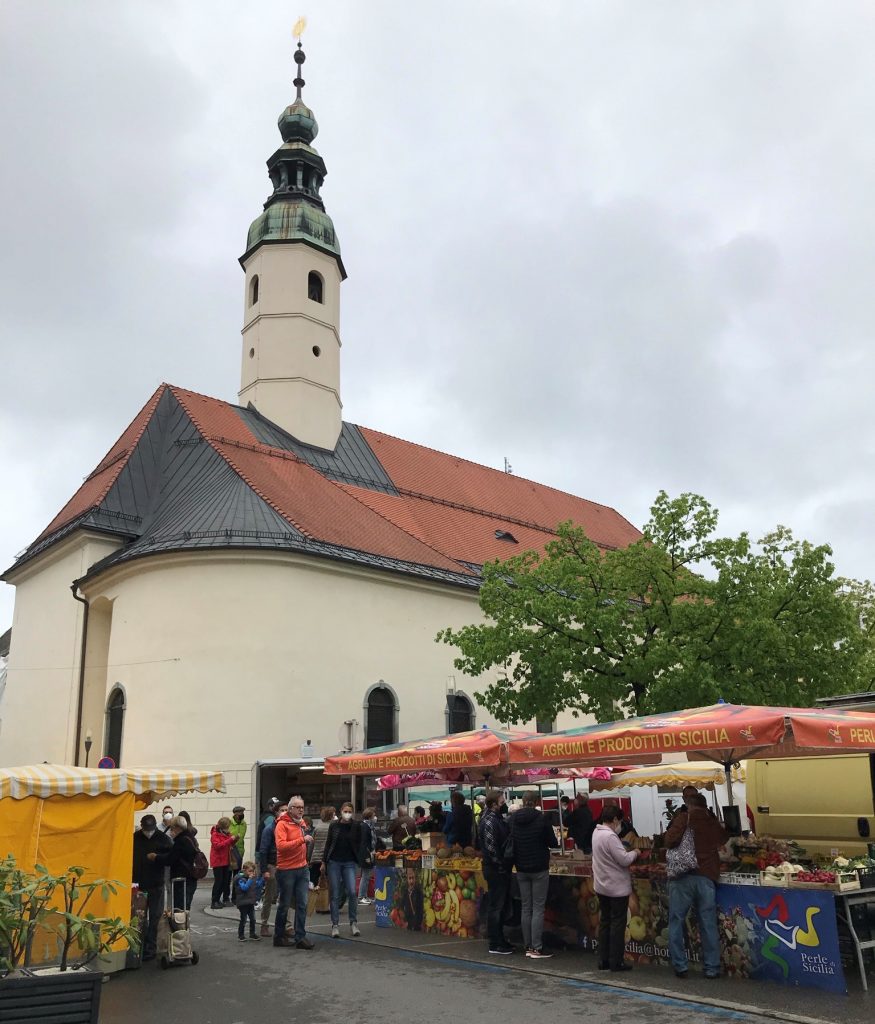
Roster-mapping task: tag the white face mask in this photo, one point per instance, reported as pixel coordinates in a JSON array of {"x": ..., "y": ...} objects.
[
  {"x": 347, "y": 815},
  {"x": 167, "y": 816}
]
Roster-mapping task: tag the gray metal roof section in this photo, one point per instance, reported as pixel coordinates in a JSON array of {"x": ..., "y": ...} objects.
[{"x": 351, "y": 462}]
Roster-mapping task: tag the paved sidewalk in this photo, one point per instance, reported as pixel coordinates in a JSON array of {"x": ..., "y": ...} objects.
[{"x": 762, "y": 998}]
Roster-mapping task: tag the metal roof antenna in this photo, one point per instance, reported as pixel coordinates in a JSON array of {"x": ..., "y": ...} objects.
[{"x": 508, "y": 468}]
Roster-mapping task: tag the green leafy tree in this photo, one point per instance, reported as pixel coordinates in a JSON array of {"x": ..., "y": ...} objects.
[{"x": 678, "y": 619}]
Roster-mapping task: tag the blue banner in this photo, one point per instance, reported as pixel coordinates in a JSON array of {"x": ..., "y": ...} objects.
[
  {"x": 384, "y": 895},
  {"x": 777, "y": 934}
]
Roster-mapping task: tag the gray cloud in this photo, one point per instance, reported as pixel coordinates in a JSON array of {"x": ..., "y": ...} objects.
[{"x": 627, "y": 246}]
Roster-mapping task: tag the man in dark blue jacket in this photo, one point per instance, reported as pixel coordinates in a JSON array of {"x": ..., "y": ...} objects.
[{"x": 267, "y": 862}]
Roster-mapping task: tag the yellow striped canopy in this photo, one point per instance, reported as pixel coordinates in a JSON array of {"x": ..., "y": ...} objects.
[
  {"x": 704, "y": 773},
  {"x": 147, "y": 784}
]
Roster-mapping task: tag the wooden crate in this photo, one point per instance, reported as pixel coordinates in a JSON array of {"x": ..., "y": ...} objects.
[{"x": 846, "y": 881}]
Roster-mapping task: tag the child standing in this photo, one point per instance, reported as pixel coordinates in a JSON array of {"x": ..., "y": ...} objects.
[{"x": 248, "y": 888}]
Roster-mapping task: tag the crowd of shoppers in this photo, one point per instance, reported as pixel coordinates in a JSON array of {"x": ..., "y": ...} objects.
[{"x": 293, "y": 857}]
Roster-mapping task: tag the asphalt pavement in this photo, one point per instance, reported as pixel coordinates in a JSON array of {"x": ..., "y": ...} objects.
[{"x": 401, "y": 978}]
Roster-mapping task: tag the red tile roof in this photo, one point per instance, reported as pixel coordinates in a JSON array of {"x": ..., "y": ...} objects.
[{"x": 446, "y": 513}]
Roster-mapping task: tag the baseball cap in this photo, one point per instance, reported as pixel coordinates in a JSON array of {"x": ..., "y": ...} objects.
[{"x": 234, "y": 810}]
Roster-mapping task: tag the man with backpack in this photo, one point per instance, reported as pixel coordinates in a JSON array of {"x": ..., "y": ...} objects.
[{"x": 266, "y": 856}]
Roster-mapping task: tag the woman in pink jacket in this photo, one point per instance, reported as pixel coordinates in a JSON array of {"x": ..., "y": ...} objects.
[{"x": 613, "y": 885}]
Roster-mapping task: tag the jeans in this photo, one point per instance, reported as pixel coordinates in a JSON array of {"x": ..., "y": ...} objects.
[
  {"x": 341, "y": 874},
  {"x": 292, "y": 884},
  {"x": 612, "y": 930},
  {"x": 183, "y": 893},
  {"x": 533, "y": 895},
  {"x": 683, "y": 894},
  {"x": 367, "y": 872},
  {"x": 221, "y": 881},
  {"x": 269, "y": 897},
  {"x": 246, "y": 914},
  {"x": 154, "y": 910},
  {"x": 496, "y": 897}
]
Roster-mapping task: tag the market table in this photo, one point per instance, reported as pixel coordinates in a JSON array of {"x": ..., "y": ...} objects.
[{"x": 767, "y": 933}]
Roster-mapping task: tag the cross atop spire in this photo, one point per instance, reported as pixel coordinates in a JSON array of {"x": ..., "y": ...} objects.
[{"x": 299, "y": 82}]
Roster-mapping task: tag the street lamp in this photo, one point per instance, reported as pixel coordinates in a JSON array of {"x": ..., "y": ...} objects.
[{"x": 88, "y": 742}]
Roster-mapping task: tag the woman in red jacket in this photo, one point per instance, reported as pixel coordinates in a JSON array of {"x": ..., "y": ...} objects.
[{"x": 221, "y": 842}]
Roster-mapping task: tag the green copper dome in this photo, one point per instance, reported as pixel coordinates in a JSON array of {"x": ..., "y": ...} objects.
[
  {"x": 297, "y": 122},
  {"x": 294, "y": 221}
]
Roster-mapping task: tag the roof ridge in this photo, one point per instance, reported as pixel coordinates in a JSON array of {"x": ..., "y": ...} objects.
[
  {"x": 243, "y": 476},
  {"x": 397, "y": 526},
  {"x": 491, "y": 469}
]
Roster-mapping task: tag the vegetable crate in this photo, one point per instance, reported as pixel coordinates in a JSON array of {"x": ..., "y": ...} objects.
[
  {"x": 845, "y": 881},
  {"x": 781, "y": 879},
  {"x": 740, "y": 878}
]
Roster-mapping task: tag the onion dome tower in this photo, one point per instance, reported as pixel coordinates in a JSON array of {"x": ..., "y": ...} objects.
[{"x": 291, "y": 320}]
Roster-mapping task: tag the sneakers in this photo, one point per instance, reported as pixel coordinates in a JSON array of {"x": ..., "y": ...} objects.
[
  {"x": 242, "y": 938},
  {"x": 335, "y": 932},
  {"x": 215, "y": 906},
  {"x": 538, "y": 954},
  {"x": 503, "y": 950},
  {"x": 256, "y": 937},
  {"x": 283, "y": 942},
  {"x": 354, "y": 928},
  {"x": 304, "y": 944},
  {"x": 365, "y": 902}
]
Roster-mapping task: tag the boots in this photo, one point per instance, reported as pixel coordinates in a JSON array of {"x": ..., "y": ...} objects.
[{"x": 265, "y": 931}]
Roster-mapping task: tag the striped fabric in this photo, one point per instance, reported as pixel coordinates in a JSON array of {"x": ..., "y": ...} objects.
[{"x": 45, "y": 780}]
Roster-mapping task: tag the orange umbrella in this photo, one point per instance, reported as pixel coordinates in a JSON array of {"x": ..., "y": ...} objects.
[
  {"x": 724, "y": 733},
  {"x": 477, "y": 750}
]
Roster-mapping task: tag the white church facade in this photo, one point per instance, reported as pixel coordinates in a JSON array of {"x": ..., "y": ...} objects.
[{"x": 252, "y": 587}]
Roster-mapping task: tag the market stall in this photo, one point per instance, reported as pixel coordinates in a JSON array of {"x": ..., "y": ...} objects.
[{"x": 58, "y": 816}]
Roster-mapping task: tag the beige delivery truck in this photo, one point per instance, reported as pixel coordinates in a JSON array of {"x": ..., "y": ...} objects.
[{"x": 827, "y": 804}]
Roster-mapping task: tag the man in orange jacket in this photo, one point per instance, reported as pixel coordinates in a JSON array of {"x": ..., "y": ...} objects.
[{"x": 292, "y": 874}]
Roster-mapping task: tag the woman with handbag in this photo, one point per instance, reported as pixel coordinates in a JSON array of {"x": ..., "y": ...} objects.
[
  {"x": 369, "y": 821},
  {"x": 613, "y": 885},
  {"x": 344, "y": 854}
]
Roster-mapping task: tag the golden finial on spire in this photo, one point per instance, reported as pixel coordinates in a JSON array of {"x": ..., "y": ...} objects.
[{"x": 298, "y": 30}]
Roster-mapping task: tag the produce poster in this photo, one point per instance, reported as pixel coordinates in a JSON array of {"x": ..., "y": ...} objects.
[
  {"x": 777, "y": 934},
  {"x": 440, "y": 900}
]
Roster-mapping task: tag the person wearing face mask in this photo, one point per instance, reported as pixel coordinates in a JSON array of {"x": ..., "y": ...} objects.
[
  {"x": 345, "y": 851},
  {"x": 292, "y": 874},
  {"x": 613, "y": 885},
  {"x": 149, "y": 876},
  {"x": 180, "y": 858},
  {"x": 166, "y": 818}
]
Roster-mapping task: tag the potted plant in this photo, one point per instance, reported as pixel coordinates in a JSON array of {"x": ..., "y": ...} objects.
[{"x": 37, "y": 907}]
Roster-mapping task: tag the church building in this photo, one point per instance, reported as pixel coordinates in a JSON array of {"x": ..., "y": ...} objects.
[{"x": 251, "y": 587}]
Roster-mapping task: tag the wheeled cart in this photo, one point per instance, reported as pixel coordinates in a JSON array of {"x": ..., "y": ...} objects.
[{"x": 174, "y": 930}]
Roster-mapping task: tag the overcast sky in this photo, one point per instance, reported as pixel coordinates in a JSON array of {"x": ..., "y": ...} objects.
[{"x": 629, "y": 246}]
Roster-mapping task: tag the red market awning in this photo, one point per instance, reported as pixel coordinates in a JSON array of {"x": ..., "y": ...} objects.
[
  {"x": 724, "y": 733},
  {"x": 477, "y": 751}
]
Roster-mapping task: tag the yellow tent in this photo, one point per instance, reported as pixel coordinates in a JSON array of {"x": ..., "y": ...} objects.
[
  {"x": 61, "y": 816},
  {"x": 703, "y": 773}
]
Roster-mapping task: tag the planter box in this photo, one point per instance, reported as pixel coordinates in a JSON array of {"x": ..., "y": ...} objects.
[{"x": 69, "y": 998}]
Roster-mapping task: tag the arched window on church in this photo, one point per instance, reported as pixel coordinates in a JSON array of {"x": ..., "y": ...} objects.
[
  {"x": 380, "y": 717},
  {"x": 315, "y": 287},
  {"x": 460, "y": 713},
  {"x": 253, "y": 290},
  {"x": 115, "y": 723}
]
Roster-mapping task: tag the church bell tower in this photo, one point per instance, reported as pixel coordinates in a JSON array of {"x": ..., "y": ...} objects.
[{"x": 291, "y": 314}]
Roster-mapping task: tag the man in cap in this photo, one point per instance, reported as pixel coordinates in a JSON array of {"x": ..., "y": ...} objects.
[
  {"x": 149, "y": 876},
  {"x": 238, "y": 830}
]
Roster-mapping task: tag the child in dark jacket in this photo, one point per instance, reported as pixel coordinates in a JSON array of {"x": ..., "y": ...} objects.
[{"x": 248, "y": 888}]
